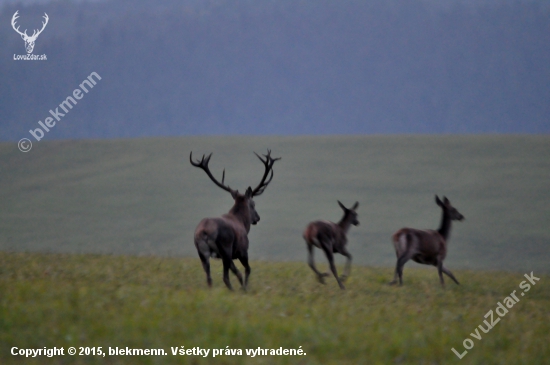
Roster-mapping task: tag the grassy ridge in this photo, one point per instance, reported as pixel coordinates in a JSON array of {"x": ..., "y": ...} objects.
[
  {"x": 155, "y": 302},
  {"x": 142, "y": 196}
]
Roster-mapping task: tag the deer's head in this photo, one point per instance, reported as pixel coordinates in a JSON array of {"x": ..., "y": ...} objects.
[
  {"x": 350, "y": 214},
  {"x": 453, "y": 213},
  {"x": 244, "y": 204}
]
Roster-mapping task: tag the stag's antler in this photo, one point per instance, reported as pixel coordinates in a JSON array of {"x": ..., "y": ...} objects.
[
  {"x": 203, "y": 164},
  {"x": 268, "y": 164}
]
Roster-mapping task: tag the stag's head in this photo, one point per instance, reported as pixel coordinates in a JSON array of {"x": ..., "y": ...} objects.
[
  {"x": 247, "y": 201},
  {"x": 29, "y": 40},
  {"x": 350, "y": 215},
  {"x": 453, "y": 213},
  {"x": 244, "y": 203}
]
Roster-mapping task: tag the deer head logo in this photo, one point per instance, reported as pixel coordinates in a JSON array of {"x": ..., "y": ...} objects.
[{"x": 29, "y": 41}]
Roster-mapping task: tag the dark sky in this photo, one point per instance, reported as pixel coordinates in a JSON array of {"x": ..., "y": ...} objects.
[{"x": 278, "y": 67}]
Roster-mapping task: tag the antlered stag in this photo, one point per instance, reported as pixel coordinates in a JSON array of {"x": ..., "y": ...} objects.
[
  {"x": 226, "y": 237},
  {"x": 331, "y": 238},
  {"x": 427, "y": 246}
]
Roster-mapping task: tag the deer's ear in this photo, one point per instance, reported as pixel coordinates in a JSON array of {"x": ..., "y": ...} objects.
[
  {"x": 446, "y": 201},
  {"x": 438, "y": 202},
  {"x": 234, "y": 194},
  {"x": 355, "y": 206},
  {"x": 342, "y": 206},
  {"x": 249, "y": 192}
]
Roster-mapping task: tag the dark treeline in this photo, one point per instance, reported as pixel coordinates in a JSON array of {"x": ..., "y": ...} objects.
[{"x": 279, "y": 67}]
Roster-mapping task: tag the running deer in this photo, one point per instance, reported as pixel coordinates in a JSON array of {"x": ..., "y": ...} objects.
[
  {"x": 226, "y": 237},
  {"x": 331, "y": 238},
  {"x": 427, "y": 246}
]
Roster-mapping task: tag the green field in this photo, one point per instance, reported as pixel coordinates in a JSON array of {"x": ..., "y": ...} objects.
[
  {"x": 157, "y": 302},
  {"x": 96, "y": 249},
  {"x": 142, "y": 196}
]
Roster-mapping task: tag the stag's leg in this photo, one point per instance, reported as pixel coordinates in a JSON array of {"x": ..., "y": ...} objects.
[
  {"x": 405, "y": 256},
  {"x": 347, "y": 270},
  {"x": 225, "y": 251},
  {"x": 449, "y": 274},
  {"x": 206, "y": 266},
  {"x": 330, "y": 257},
  {"x": 236, "y": 272},
  {"x": 320, "y": 276},
  {"x": 244, "y": 260},
  {"x": 226, "y": 266}
]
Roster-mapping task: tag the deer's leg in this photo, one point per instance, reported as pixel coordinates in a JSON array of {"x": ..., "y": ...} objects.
[
  {"x": 347, "y": 270},
  {"x": 225, "y": 249},
  {"x": 204, "y": 254},
  {"x": 401, "y": 263},
  {"x": 395, "y": 274},
  {"x": 236, "y": 272},
  {"x": 244, "y": 260},
  {"x": 405, "y": 256},
  {"x": 449, "y": 274},
  {"x": 320, "y": 276},
  {"x": 440, "y": 271},
  {"x": 330, "y": 258},
  {"x": 206, "y": 266},
  {"x": 226, "y": 266}
]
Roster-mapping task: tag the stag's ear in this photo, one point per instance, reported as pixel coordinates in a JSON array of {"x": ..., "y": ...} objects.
[
  {"x": 234, "y": 194},
  {"x": 446, "y": 201},
  {"x": 355, "y": 206},
  {"x": 438, "y": 202},
  {"x": 342, "y": 206},
  {"x": 249, "y": 192}
]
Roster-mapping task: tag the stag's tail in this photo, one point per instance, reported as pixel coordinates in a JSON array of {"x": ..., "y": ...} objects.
[{"x": 205, "y": 238}]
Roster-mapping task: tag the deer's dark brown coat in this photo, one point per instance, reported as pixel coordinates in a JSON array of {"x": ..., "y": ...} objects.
[
  {"x": 331, "y": 238},
  {"x": 427, "y": 246},
  {"x": 226, "y": 237}
]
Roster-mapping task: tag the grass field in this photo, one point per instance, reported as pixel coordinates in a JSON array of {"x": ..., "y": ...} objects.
[
  {"x": 96, "y": 249},
  {"x": 142, "y": 196},
  {"x": 66, "y": 300}
]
